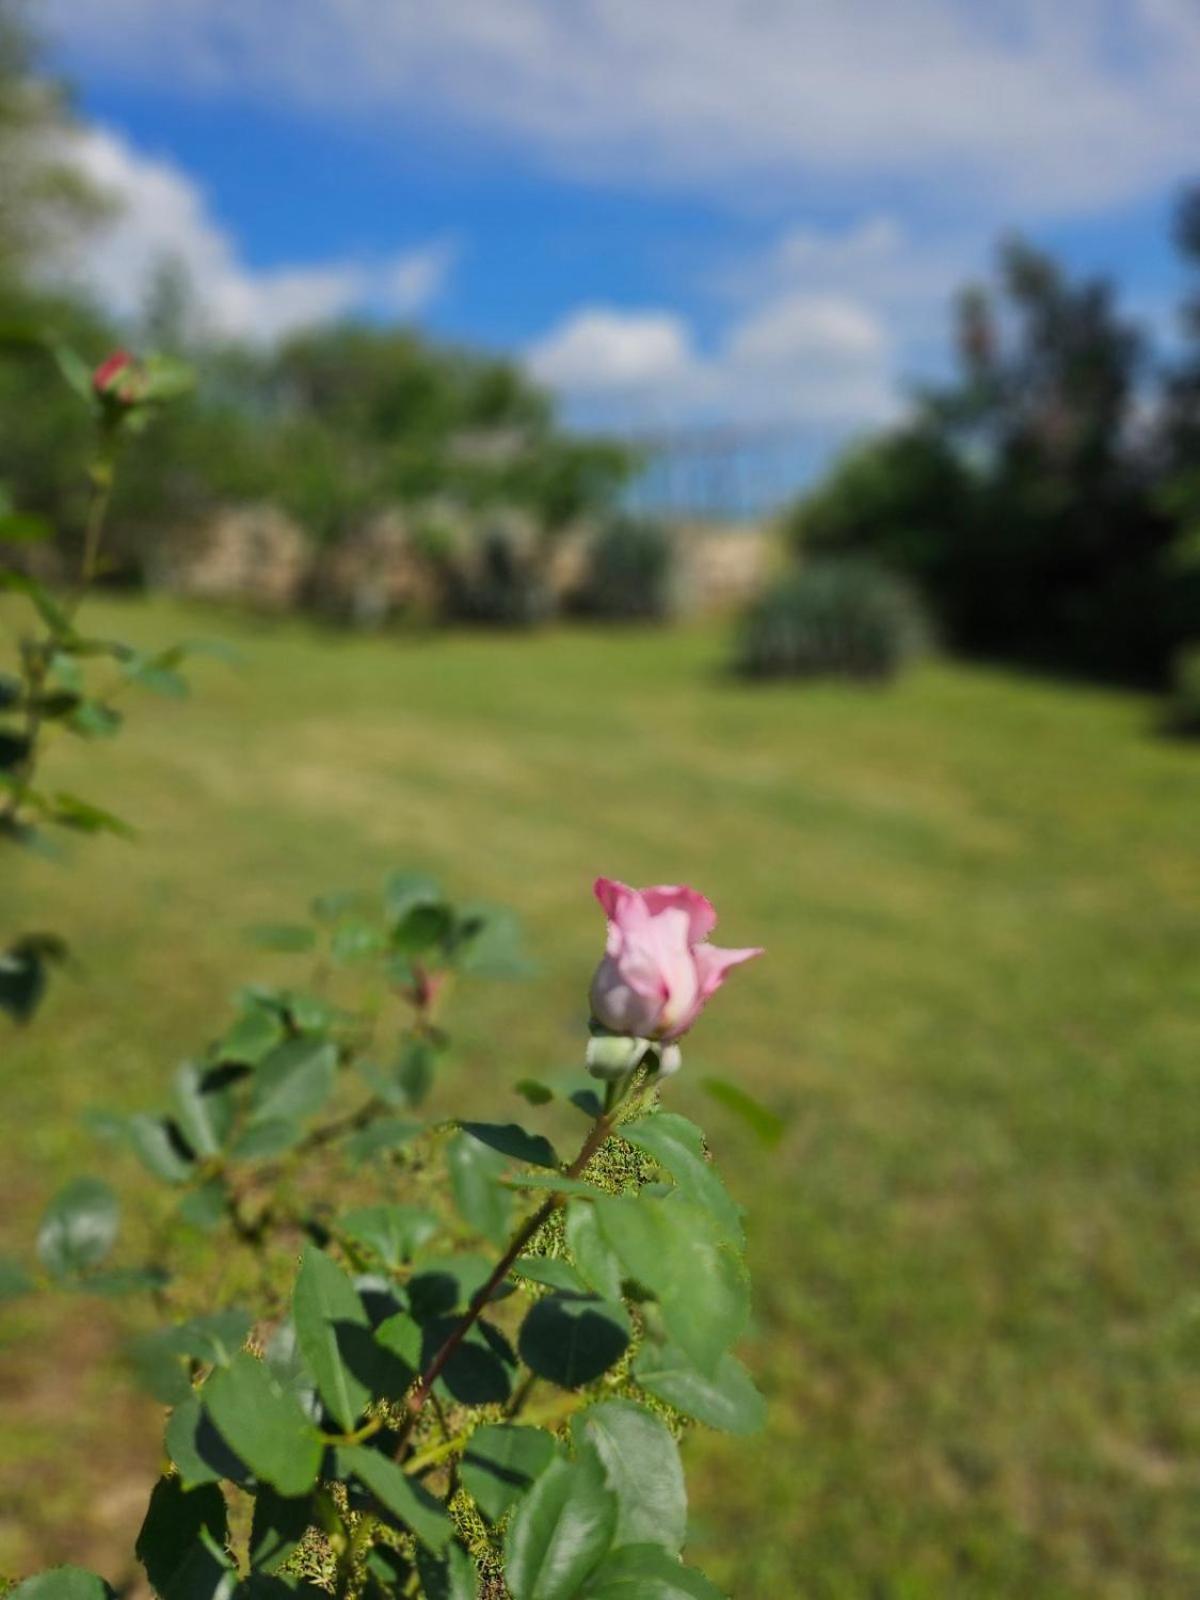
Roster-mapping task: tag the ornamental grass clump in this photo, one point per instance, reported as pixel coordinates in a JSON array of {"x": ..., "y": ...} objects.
[{"x": 836, "y": 617}]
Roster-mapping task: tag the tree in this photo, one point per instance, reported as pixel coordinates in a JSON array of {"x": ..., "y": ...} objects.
[
  {"x": 1022, "y": 497},
  {"x": 44, "y": 197}
]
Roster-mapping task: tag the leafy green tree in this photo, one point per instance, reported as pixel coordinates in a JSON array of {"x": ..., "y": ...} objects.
[
  {"x": 1024, "y": 497},
  {"x": 43, "y": 196}
]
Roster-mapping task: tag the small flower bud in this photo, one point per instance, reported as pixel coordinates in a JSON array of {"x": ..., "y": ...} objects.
[
  {"x": 670, "y": 1059},
  {"x": 120, "y": 380},
  {"x": 614, "y": 1055},
  {"x": 658, "y": 970},
  {"x": 110, "y": 371}
]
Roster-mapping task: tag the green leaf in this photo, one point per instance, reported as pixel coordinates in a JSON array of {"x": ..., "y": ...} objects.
[
  {"x": 501, "y": 1462},
  {"x": 62, "y": 1583},
  {"x": 157, "y": 1144},
  {"x": 157, "y": 1368},
  {"x": 726, "y": 1398},
  {"x": 554, "y": 1273},
  {"x": 23, "y": 973},
  {"x": 24, "y": 527},
  {"x": 159, "y": 1357},
  {"x": 333, "y": 1332},
  {"x": 165, "y": 378},
  {"x": 537, "y": 1094},
  {"x": 294, "y": 1081},
  {"x": 197, "y": 1449},
  {"x": 388, "y": 1133},
  {"x": 405, "y": 891},
  {"x": 286, "y": 1360},
  {"x": 204, "y": 1107},
  {"x": 572, "y": 1339},
  {"x": 310, "y": 1013},
  {"x": 561, "y": 1531},
  {"x": 337, "y": 903},
  {"x": 511, "y": 1140},
  {"x": 277, "y": 1527},
  {"x": 423, "y": 929},
  {"x": 148, "y": 672},
  {"x": 204, "y": 1206},
  {"x": 256, "y": 1032},
  {"x": 79, "y": 1227},
  {"x": 262, "y": 1140},
  {"x": 678, "y": 1147},
  {"x": 766, "y": 1124},
  {"x": 415, "y": 1071},
  {"x": 356, "y": 939},
  {"x": 641, "y": 1461},
  {"x": 171, "y": 1530},
  {"x": 71, "y": 811},
  {"x": 93, "y": 720},
  {"x": 394, "y": 1232},
  {"x": 43, "y": 602},
  {"x": 387, "y": 1572},
  {"x": 263, "y": 1424},
  {"x": 449, "y": 1283},
  {"x": 479, "y": 1372},
  {"x": 407, "y": 1500},
  {"x": 673, "y": 1249},
  {"x": 489, "y": 942},
  {"x": 598, "y": 1266},
  {"x": 400, "y": 1336},
  {"x": 558, "y": 1182},
  {"x": 14, "y": 750},
  {"x": 74, "y": 370},
  {"x": 481, "y": 1201},
  {"x": 290, "y": 937},
  {"x": 647, "y": 1572},
  {"x": 449, "y": 1576}
]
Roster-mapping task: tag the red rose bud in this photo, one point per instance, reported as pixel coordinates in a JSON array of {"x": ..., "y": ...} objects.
[
  {"x": 105, "y": 377},
  {"x": 120, "y": 380}
]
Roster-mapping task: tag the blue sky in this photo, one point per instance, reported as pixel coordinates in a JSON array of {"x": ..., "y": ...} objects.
[{"x": 676, "y": 213}]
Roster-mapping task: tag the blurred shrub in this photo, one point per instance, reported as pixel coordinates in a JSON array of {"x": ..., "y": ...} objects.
[
  {"x": 498, "y": 579},
  {"x": 1183, "y": 705},
  {"x": 838, "y": 617},
  {"x": 629, "y": 567}
]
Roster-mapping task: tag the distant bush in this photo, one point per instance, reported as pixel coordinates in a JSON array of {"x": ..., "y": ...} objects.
[
  {"x": 1183, "y": 705},
  {"x": 630, "y": 564},
  {"x": 838, "y": 617},
  {"x": 499, "y": 581}
]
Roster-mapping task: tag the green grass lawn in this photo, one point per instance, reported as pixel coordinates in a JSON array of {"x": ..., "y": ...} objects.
[{"x": 977, "y": 1251}]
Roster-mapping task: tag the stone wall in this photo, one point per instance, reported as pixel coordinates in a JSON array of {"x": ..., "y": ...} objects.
[{"x": 257, "y": 556}]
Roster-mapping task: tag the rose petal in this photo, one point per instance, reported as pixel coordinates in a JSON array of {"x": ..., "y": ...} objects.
[{"x": 702, "y": 919}]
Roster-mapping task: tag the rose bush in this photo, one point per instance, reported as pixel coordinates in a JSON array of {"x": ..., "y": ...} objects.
[
  {"x": 65, "y": 680},
  {"x": 423, "y": 1355}
]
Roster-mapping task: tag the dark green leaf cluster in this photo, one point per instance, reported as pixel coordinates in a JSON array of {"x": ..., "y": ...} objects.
[{"x": 475, "y": 1381}]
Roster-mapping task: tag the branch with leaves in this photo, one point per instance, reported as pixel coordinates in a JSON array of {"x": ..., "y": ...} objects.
[
  {"x": 54, "y": 688},
  {"x": 476, "y": 1381}
]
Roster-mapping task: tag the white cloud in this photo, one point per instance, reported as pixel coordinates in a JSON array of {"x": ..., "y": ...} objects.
[
  {"x": 820, "y": 359},
  {"x": 807, "y": 327},
  {"x": 598, "y": 351},
  {"x": 163, "y": 215},
  {"x": 1018, "y": 102}
]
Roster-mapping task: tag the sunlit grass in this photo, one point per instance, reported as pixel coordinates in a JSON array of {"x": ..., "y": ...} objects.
[{"x": 978, "y": 1249}]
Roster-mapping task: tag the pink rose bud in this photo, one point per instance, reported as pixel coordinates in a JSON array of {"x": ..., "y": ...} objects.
[
  {"x": 110, "y": 370},
  {"x": 658, "y": 969}
]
